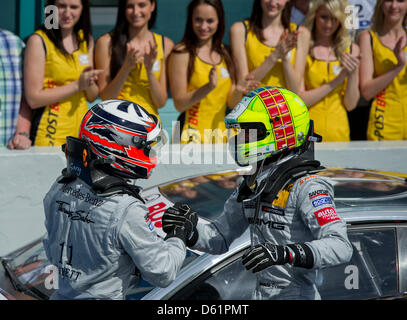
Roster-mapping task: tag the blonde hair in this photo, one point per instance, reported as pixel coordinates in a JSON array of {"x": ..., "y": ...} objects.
[
  {"x": 342, "y": 38},
  {"x": 378, "y": 17}
]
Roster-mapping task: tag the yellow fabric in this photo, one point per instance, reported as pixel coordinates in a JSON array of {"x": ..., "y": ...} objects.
[
  {"x": 210, "y": 112},
  {"x": 282, "y": 197},
  {"x": 64, "y": 117},
  {"x": 329, "y": 114},
  {"x": 388, "y": 113},
  {"x": 137, "y": 87},
  {"x": 257, "y": 52}
]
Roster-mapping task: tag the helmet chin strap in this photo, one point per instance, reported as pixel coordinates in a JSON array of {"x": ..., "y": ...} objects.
[{"x": 251, "y": 181}]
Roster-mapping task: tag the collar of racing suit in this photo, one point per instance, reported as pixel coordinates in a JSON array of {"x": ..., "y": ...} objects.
[
  {"x": 291, "y": 170},
  {"x": 273, "y": 178}
]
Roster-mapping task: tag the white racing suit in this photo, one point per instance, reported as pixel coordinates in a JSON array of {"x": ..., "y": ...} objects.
[
  {"x": 97, "y": 242},
  {"x": 304, "y": 212}
]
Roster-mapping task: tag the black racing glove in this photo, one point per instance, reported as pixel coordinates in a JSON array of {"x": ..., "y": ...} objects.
[
  {"x": 267, "y": 254},
  {"x": 180, "y": 221}
]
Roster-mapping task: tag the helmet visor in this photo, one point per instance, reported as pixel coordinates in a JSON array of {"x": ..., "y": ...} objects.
[
  {"x": 244, "y": 140},
  {"x": 157, "y": 143},
  {"x": 244, "y": 133}
]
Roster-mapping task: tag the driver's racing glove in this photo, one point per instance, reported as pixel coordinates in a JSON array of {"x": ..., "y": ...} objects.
[
  {"x": 267, "y": 254},
  {"x": 180, "y": 221}
]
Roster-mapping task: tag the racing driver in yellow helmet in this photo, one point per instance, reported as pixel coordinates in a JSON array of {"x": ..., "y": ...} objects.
[{"x": 289, "y": 209}]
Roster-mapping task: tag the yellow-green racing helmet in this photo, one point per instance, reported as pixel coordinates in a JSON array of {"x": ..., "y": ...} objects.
[{"x": 266, "y": 122}]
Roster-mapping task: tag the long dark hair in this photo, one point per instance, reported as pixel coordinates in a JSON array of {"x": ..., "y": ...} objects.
[
  {"x": 84, "y": 23},
  {"x": 255, "y": 20},
  {"x": 190, "y": 40},
  {"x": 120, "y": 36}
]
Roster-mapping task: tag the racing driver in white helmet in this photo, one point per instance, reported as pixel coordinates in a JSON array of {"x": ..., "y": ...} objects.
[
  {"x": 98, "y": 232},
  {"x": 294, "y": 227}
]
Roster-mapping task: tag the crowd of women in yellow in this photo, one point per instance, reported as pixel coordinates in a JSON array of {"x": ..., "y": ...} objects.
[{"x": 319, "y": 60}]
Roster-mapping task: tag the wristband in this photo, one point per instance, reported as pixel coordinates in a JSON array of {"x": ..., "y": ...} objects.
[
  {"x": 303, "y": 256},
  {"x": 25, "y": 134}
]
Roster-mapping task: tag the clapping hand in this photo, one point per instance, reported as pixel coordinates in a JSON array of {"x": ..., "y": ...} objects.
[
  {"x": 88, "y": 78},
  {"x": 287, "y": 42},
  {"x": 150, "y": 55},
  {"x": 213, "y": 77},
  {"x": 349, "y": 63},
  {"x": 134, "y": 55},
  {"x": 398, "y": 50},
  {"x": 247, "y": 84}
]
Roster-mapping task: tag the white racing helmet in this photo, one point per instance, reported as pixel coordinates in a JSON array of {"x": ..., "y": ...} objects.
[{"x": 125, "y": 135}]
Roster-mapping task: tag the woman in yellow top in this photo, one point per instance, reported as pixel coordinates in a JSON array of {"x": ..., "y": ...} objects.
[
  {"x": 331, "y": 79},
  {"x": 201, "y": 75},
  {"x": 58, "y": 74},
  {"x": 270, "y": 48},
  {"x": 383, "y": 71},
  {"x": 134, "y": 58}
]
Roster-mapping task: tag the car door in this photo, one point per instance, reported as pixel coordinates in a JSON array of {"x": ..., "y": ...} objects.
[{"x": 228, "y": 280}]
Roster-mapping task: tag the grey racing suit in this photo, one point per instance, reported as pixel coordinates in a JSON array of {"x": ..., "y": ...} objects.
[
  {"x": 304, "y": 212},
  {"x": 96, "y": 243}
]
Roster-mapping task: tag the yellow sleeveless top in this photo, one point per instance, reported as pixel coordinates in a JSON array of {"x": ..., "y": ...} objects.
[
  {"x": 137, "y": 88},
  {"x": 329, "y": 114},
  {"x": 62, "y": 118},
  {"x": 257, "y": 52},
  {"x": 204, "y": 122},
  {"x": 388, "y": 113}
]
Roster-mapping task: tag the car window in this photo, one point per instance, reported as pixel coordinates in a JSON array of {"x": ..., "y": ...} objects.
[
  {"x": 372, "y": 271},
  {"x": 30, "y": 268},
  {"x": 230, "y": 282},
  {"x": 205, "y": 194}
]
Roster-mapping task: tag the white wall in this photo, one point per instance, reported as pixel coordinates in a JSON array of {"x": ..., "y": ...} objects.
[{"x": 27, "y": 175}]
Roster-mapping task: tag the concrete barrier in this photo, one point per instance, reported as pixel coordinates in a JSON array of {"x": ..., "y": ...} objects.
[{"x": 27, "y": 175}]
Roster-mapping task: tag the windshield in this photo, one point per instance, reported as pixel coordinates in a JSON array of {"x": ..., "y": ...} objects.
[{"x": 29, "y": 269}]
